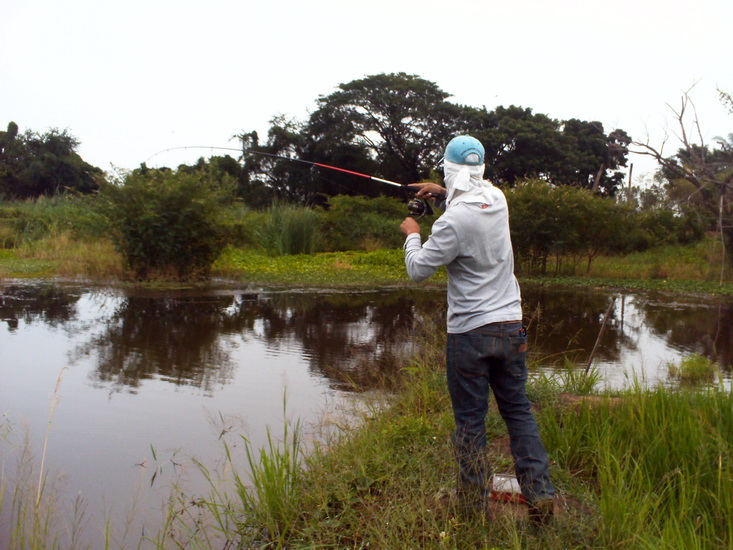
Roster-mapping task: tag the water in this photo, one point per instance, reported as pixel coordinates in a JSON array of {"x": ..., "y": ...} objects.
[{"x": 149, "y": 380}]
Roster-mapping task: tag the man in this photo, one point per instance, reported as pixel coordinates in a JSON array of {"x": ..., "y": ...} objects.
[{"x": 486, "y": 346}]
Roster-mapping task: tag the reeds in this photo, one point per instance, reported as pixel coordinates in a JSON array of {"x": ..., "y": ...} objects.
[
  {"x": 661, "y": 460},
  {"x": 289, "y": 229}
]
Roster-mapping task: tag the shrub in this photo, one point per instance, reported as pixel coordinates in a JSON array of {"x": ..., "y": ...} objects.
[
  {"x": 358, "y": 223},
  {"x": 167, "y": 224}
]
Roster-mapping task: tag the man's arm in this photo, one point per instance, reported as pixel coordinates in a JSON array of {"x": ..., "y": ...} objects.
[{"x": 440, "y": 249}]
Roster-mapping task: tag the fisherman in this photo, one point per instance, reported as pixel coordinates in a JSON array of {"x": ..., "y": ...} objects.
[{"x": 487, "y": 343}]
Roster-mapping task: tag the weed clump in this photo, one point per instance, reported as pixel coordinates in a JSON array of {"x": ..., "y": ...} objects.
[{"x": 695, "y": 369}]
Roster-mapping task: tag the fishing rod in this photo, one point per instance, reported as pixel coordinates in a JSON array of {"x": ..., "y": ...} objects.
[{"x": 416, "y": 207}]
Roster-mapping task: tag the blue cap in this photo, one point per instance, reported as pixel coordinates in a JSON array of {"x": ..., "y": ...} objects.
[{"x": 465, "y": 150}]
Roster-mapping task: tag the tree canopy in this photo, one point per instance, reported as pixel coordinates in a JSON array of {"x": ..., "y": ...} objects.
[
  {"x": 34, "y": 164},
  {"x": 396, "y": 125}
]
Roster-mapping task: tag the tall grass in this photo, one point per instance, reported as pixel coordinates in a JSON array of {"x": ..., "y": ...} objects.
[
  {"x": 699, "y": 262},
  {"x": 35, "y": 520},
  {"x": 24, "y": 222},
  {"x": 93, "y": 259},
  {"x": 289, "y": 229},
  {"x": 662, "y": 462}
]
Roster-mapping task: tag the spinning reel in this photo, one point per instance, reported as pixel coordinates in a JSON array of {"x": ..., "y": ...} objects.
[{"x": 418, "y": 208}]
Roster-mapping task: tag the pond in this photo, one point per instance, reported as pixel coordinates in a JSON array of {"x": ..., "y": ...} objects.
[{"x": 137, "y": 383}]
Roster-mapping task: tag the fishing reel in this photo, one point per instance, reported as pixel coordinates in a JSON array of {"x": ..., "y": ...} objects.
[{"x": 418, "y": 208}]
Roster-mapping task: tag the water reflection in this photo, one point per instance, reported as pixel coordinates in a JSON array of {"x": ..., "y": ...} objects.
[
  {"x": 48, "y": 304},
  {"x": 187, "y": 338},
  {"x": 168, "y": 362},
  {"x": 644, "y": 333}
]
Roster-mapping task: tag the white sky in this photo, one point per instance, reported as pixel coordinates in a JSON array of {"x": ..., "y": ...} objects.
[{"x": 132, "y": 78}]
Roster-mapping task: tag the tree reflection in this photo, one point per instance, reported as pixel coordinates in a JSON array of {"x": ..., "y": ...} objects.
[
  {"x": 566, "y": 323},
  {"x": 348, "y": 338},
  {"x": 172, "y": 338},
  {"x": 43, "y": 303},
  {"x": 704, "y": 328}
]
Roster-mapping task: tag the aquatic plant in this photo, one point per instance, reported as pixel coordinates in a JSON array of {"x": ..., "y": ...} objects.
[{"x": 694, "y": 369}]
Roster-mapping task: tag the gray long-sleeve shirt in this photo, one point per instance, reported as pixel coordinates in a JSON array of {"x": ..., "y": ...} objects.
[{"x": 472, "y": 240}]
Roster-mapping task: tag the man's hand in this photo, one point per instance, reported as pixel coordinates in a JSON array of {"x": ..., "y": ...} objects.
[
  {"x": 409, "y": 226},
  {"x": 428, "y": 189}
]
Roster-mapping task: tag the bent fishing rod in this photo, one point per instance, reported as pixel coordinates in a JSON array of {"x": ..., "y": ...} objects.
[{"x": 416, "y": 207}]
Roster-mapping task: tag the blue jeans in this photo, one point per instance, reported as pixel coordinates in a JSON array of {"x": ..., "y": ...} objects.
[{"x": 494, "y": 356}]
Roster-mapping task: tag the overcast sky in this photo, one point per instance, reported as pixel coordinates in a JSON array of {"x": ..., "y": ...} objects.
[{"x": 131, "y": 78}]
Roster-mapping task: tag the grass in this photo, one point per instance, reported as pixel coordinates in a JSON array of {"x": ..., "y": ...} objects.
[
  {"x": 646, "y": 468},
  {"x": 357, "y": 268},
  {"x": 64, "y": 256},
  {"x": 695, "y": 369},
  {"x": 697, "y": 262}
]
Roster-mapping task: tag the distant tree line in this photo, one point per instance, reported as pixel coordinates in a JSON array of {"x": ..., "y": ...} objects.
[
  {"x": 34, "y": 164},
  {"x": 563, "y": 178}
]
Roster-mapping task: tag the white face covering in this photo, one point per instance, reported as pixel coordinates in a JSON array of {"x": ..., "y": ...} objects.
[{"x": 466, "y": 184}]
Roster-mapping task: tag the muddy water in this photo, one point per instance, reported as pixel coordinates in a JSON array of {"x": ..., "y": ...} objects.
[{"x": 141, "y": 382}]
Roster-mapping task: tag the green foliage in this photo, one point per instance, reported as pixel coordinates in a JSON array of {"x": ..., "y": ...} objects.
[
  {"x": 357, "y": 223},
  {"x": 167, "y": 224},
  {"x": 396, "y": 126},
  {"x": 24, "y": 222},
  {"x": 34, "y": 164},
  {"x": 373, "y": 268},
  {"x": 564, "y": 221},
  {"x": 404, "y": 120},
  {"x": 694, "y": 369},
  {"x": 288, "y": 229},
  {"x": 226, "y": 169},
  {"x": 272, "y": 503},
  {"x": 660, "y": 459},
  {"x": 521, "y": 144},
  {"x": 570, "y": 222}
]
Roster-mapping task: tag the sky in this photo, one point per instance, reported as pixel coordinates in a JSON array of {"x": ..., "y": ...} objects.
[{"x": 132, "y": 79}]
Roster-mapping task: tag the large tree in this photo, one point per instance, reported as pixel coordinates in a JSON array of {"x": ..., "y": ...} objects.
[
  {"x": 521, "y": 145},
  {"x": 401, "y": 120},
  {"x": 396, "y": 126},
  {"x": 34, "y": 164}
]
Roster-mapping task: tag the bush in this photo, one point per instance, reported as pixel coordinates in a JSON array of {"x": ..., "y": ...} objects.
[
  {"x": 358, "y": 223},
  {"x": 168, "y": 224},
  {"x": 243, "y": 226}
]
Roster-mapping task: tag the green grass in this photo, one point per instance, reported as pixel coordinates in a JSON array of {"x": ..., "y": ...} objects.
[
  {"x": 14, "y": 266},
  {"x": 645, "y": 468},
  {"x": 695, "y": 369},
  {"x": 357, "y": 268},
  {"x": 699, "y": 261}
]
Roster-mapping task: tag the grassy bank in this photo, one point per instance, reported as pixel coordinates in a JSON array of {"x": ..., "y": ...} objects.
[
  {"x": 61, "y": 256},
  {"x": 644, "y": 468}
]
